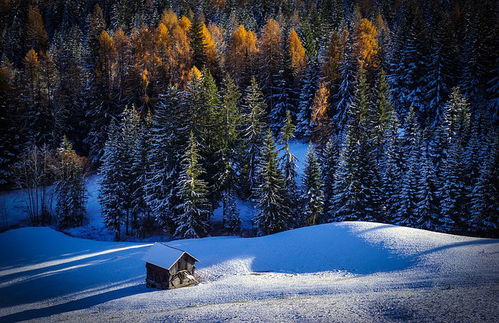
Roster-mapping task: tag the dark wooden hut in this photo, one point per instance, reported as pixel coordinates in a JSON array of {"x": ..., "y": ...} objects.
[{"x": 169, "y": 267}]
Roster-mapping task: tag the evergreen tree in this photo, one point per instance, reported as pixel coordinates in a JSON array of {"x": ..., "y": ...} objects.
[
  {"x": 483, "y": 199},
  {"x": 195, "y": 210},
  {"x": 70, "y": 187},
  {"x": 166, "y": 143},
  {"x": 313, "y": 194},
  {"x": 453, "y": 191},
  {"x": 288, "y": 163},
  {"x": 252, "y": 134},
  {"x": 408, "y": 197},
  {"x": 329, "y": 161},
  {"x": 111, "y": 186},
  {"x": 198, "y": 45},
  {"x": 272, "y": 197}
]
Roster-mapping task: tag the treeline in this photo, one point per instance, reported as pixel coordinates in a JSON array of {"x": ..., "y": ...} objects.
[
  {"x": 372, "y": 83},
  {"x": 205, "y": 147}
]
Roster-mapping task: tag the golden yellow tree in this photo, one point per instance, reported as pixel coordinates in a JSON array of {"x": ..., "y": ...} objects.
[
  {"x": 297, "y": 52},
  {"x": 334, "y": 56},
  {"x": 320, "y": 119},
  {"x": 241, "y": 52},
  {"x": 366, "y": 44}
]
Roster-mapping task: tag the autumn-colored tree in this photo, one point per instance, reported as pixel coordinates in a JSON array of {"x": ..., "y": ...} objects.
[
  {"x": 180, "y": 56},
  {"x": 106, "y": 62},
  {"x": 123, "y": 57},
  {"x": 366, "y": 45},
  {"x": 241, "y": 53},
  {"x": 297, "y": 52},
  {"x": 185, "y": 23},
  {"x": 270, "y": 50},
  {"x": 210, "y": 47},
  {"x": 36, "y": 36},
  {"x": 169, "y": 19},
  {"x": 334, "y": 56},
  {"x": 320, "y": 118}
]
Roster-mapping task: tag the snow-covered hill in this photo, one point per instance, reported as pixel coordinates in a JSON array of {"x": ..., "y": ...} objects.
[{"x": 351, "y": 271}]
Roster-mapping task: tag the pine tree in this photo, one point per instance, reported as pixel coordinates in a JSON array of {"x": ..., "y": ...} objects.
[
  {"x": 408, "y": 197},
  {"x": 111, "y": 186},
  {"x": 288, "y": 163},
  {"x": 329, "y": 161},
  {"x": 427, "y": 211},
  {"x": 252, "y": 133},
  {"x": 345, "y": 94},
  {"x": 70, "y": 187},
  {"x": 169, "y": 121},
  {"x": 453, "y": 191},
  {"x": 483, "y": 199},
  {"x": 198, "y": 45},
  {"x": 195, "y": 209},
  {"x": 271, "y": 195},
  {"x": 313, "y": 194}
]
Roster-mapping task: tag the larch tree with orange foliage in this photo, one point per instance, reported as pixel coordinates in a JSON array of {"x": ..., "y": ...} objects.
[
  {"x": 366, "y": 45},
  {"x": 242, "y": 50},
  {"x": 320, "y": 117},
  {"x": 334, "y": 57},
  {"x": 271, "y": 56},
  {"x": 297, "y": 53}
]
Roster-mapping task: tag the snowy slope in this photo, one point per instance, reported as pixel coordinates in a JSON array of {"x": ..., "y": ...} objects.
[{"x": 351, "y": 271}]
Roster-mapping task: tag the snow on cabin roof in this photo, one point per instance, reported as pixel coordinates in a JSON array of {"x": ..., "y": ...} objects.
[{"x": 163, "y": 255}]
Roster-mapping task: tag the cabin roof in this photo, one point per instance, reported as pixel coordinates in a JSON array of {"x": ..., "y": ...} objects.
[{"x": 164, "y": 256}]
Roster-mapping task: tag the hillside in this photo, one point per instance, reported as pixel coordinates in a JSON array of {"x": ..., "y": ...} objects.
[{"x": 350, "y": 271}]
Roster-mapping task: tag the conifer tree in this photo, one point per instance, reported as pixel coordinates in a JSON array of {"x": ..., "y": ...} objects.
[
  {"x": 329, "y": 160},
  {"x": 195, "y": 209},
  {"x": 313, "y": 194},
  {"x": 70, "y": 187},
  {"x": 408, "y": 197},
  {"x": 483, "y": 199},
  {"x": 271, "y": 195},
  {"x": 453, "y": 191},
  {"x": 253, "y": 133},
  {"x": 288, "y": 162},
  {"x": 198, "y": 45},
  {"x": 164, "y": 156},
  {"x": 111, "y": 185}
]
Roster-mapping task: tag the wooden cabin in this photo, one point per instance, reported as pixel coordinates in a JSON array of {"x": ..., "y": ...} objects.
[{"x": 169, "y": 267}]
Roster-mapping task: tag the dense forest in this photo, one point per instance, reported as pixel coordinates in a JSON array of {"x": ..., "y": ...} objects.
[{"x": 185, "y": 106}]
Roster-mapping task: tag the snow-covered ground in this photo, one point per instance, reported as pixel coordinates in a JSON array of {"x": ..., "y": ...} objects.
[{"x": 345, "y": 272}]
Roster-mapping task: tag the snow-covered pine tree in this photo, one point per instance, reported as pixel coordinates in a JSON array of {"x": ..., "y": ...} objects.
[
  {"x": 195, "y": 210},
  {"x": 313, "y": 194},
  {"x": 484, "y": 207},
  {"x": 309, "y": 84},
  {"x": 70, "y": 187},
  {"x": 350, "y": 197},
  {"x": 408, "y": 197},
  {"x": 345, "y": 94},
  {"x": 453, "y": 190},
  {"x": 271, "y": 194},
  {"x": 169, "y": 122},
  {"x": 288, "y": 165},
  {"x": 227, "y": 155},
  {"x": 254, "y": 107},
  {"x": 427, "y": 211},
  {"x": 141, "y": 169},
  {"x": 329, "y": 160},
  {"x": 111, "y": 185},
  {"x": 392, "y": 170},
  {"x": 130, "y": 131}
]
